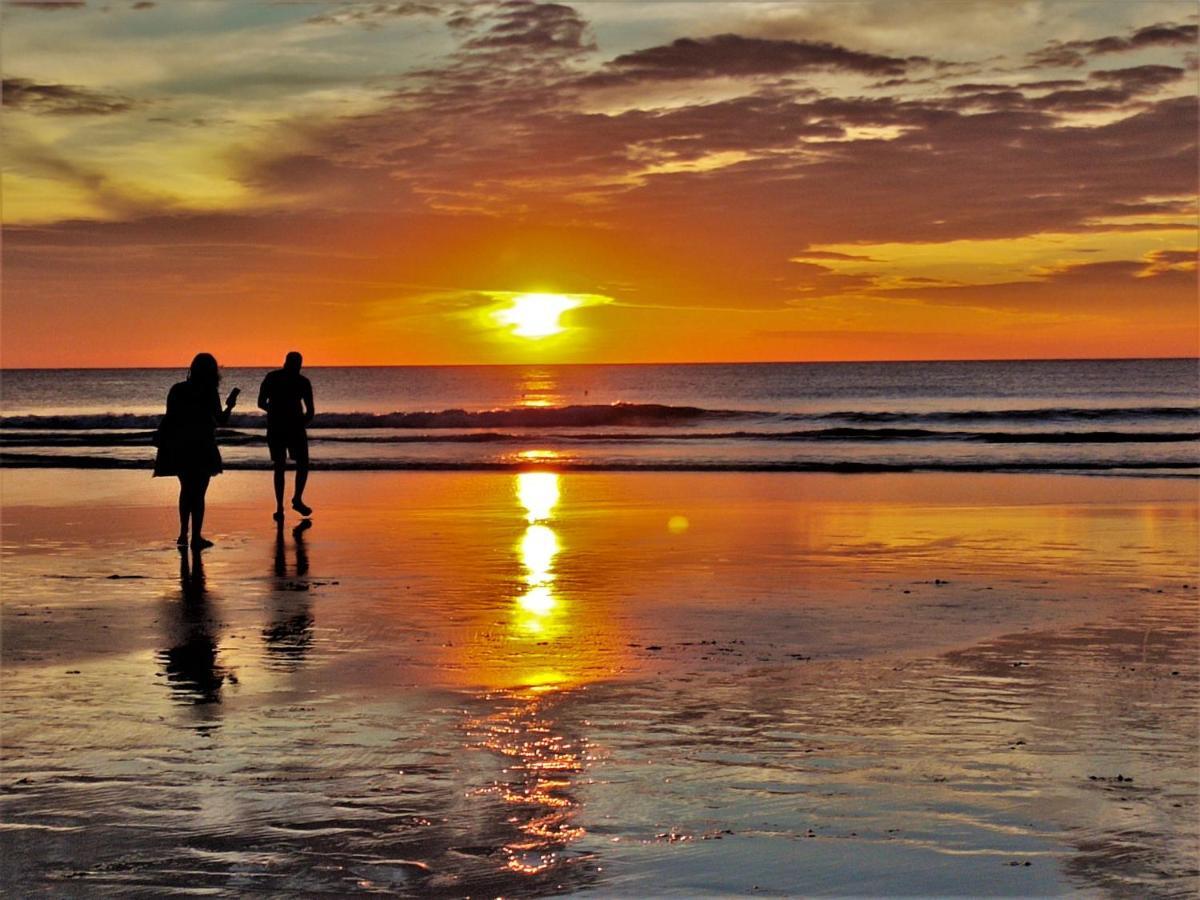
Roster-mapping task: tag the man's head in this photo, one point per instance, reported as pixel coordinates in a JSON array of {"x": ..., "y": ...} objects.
[{"x": 292, "y": 362}]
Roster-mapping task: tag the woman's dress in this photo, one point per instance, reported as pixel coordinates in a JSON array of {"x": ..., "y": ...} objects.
[{"x": 187, "y": 436}]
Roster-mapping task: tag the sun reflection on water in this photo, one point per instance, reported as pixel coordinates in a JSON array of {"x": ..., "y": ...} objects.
[{"x": 539, "y": 388}]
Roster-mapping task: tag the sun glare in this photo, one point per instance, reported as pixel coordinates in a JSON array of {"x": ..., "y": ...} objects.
[
  {"x": 536, "y": 315},
  {"x": 538, "y": 493}
]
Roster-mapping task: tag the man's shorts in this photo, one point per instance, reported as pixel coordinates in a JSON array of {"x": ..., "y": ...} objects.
[{"x": 285, "y": 442}]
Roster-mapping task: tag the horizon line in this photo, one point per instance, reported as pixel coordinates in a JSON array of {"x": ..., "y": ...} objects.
[{"x": 773, "y": 362}]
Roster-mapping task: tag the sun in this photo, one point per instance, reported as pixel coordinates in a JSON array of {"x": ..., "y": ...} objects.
[{"x": 536, "y": 315}]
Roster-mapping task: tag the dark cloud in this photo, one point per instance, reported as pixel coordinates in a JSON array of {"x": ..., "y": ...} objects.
[
  {"x": 731, "y": 55},
  {"x": 1174, "y": 257},
  {"x": 1075, "y": 53},
  {"x": 523, "y": 26},
  {"x": 990, "y": 100},
  {"x": 987, "y": 175},
  {"x": 1116, "y": 88},
  {"x": 372, "y": 15},
  {"x": 1110, "y": 285},
  {"x": 1140, "y": 79},
  {"x": 809, "y": 280},
  {"x": 978, "y": 87},
  {"x": 47, "y": 5},
  {"x": 61, "y": 99},
  {"x": 1155, "y": 208},
  {"x": 991, "y": 87},
  {"x": 1050, "y": 85},
  {"x": 1159, "y": 261},
  {"x": 1083, "y": 100},
  {"x": 829, "y": 254}
]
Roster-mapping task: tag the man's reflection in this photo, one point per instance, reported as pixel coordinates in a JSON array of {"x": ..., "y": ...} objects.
[
  {"x": 289, "y": 633},
  {"x": 190, "y": 662}
]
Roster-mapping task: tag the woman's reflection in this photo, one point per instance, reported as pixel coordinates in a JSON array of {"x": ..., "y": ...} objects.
[
  {"x": 289, "y": 633},
  {"x": 190, "y": 662}
]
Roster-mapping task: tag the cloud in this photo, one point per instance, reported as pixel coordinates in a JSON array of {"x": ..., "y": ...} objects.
[
  {"x": 1083, "y": 100},
  {"x": 1140, "y": 79},
  {"x": 1074, "y": 53},
  {"x": 732, "y": 55},
  {"x": 61, "y": 99},
  {"x": 1159, "y": 261},
  {"x": 830, "y": 254},
  {"x": 110, "y": 195},
  {"x": 941, "y": 179},
  {"x": 549, "y": 29},
  {"x": 1108, "y": 286},
  {"x": 372, "y": 15},
  {"x": 47, "y": 5},
  {"x": 1106, "y": 89}
]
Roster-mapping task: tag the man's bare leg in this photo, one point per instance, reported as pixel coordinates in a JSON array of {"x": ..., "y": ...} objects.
[
  {"x": 298, "y": 498},
  {"x": 280, "y": 468}
]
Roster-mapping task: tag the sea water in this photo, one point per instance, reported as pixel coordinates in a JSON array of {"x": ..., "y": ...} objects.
[{"x": 1070, "y": 415}]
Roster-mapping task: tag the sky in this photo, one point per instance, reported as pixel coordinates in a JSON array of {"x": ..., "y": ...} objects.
[{"x": 385, "y": 182}]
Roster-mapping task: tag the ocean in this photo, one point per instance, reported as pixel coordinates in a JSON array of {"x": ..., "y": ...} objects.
[{"x": 1091, "y": 416}]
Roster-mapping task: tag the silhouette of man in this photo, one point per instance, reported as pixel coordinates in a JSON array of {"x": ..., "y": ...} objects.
[{"x": 286, "y": 395}]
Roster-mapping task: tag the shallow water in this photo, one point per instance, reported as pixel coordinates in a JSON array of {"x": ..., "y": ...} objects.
[
  {"x": 486, "y": 684},
  {"x": 1064, "y": 415}
]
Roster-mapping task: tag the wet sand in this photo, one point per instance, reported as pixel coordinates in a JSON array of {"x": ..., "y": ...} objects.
[{"x": 629, "y": 684}]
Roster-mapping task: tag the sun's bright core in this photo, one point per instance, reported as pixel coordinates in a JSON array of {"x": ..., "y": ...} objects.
[{"x": 536, "y": 315}]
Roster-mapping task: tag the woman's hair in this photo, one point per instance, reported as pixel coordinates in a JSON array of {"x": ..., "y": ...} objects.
[{"x": 204, "y": 371}]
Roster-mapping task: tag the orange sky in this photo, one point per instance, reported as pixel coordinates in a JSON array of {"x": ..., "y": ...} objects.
[{"x": 373, "y": 182}]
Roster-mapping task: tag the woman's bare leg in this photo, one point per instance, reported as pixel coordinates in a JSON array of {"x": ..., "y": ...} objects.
[
  {"x": 185, "y": 510},
  {"x": 199, "y": 489}
]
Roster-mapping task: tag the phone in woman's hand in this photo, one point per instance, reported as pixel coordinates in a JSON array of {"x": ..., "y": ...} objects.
[{"x": 232, "y": 398}]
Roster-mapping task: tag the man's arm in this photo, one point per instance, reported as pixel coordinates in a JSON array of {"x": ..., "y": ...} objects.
[
  {"x": 309, "y": 409},
  {"x": 264, "y": 401}
]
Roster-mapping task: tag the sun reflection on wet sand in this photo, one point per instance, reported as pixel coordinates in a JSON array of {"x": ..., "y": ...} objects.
[
  {"x": 540, "y": 759},
  {"x": 538, "y": 493},
  {"x": 541, "y": 763}
]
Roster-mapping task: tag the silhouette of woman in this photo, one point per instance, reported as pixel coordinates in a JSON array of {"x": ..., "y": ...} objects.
[{"x": 187, "y": 441}]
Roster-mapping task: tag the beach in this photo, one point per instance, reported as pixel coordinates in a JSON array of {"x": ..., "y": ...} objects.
[{"x": 518, "y": 684}]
